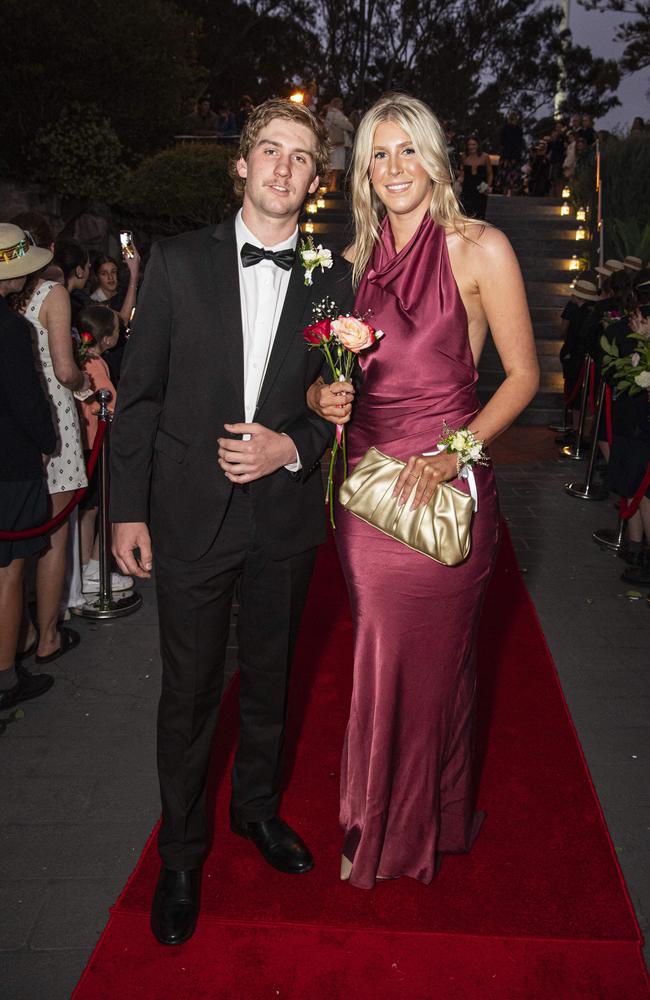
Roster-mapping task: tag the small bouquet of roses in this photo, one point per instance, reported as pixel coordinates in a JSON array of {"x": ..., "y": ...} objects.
[
  {"x": 340, "y": 338},
  {"x": 630, "y": 373},
  {"x": 82, "y": 346}
]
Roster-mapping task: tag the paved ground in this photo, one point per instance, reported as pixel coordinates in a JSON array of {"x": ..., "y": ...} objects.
[{"x": 80, "y": 797}]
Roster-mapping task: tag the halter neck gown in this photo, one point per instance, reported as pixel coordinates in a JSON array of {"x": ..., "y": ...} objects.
[{"x": 406, "y": 781}]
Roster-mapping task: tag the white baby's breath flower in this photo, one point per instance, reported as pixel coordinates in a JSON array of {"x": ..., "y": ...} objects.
[{"x": 643, "y": 380}]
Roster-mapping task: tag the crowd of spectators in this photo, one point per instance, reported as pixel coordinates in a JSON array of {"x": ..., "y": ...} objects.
[
  {"x": 64, "y": 321},
  {"x": 612, "y": 301}
]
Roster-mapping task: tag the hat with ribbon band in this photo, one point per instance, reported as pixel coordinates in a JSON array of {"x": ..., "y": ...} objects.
[
  {"x": 19, "y": 256},
  {"x": 586, "y": 290}
]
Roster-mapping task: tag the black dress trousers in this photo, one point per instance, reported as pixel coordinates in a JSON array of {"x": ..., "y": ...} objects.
[{"x": 194, "y": 604}]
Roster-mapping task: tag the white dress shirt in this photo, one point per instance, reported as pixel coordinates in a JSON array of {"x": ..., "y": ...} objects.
[{"x": 262, "y": 291}]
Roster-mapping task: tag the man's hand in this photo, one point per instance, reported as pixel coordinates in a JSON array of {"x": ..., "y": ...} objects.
[
  {"x": 127, "y": 536},
  {"x": 331, "y": 402},
  {"x": 264, "y": 453}
]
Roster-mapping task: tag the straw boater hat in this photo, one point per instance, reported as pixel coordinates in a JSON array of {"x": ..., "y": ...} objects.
[
  {"x": 18, "y": 255},
  {"x": 609, "y": 267},
  {"x": 586, "y": 290},
  {"x": 633, "y": 263}
]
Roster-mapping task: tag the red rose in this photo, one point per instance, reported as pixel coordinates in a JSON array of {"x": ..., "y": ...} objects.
[
  {"x": 87, "y": 338},
  {"x": 318, "y": 333}
]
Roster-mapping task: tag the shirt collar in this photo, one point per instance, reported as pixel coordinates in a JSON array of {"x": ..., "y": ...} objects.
[{"x": 244, "y": 235}]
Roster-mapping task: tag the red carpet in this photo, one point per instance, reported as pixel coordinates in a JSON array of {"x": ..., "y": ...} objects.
[{"x": 537, "y": 910}]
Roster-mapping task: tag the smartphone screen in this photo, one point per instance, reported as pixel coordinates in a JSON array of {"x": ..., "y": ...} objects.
[{"x": 127, "y": 244}]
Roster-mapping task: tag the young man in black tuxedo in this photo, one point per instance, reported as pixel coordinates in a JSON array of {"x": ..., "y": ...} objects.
[{"x": 214, "y": 473}]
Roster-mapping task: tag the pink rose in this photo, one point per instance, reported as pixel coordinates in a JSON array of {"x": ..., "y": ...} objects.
[
  {"x": 353, "y": 334},
  {"x": 318, "y": 333},
  {"x": 634, "y": 360}
]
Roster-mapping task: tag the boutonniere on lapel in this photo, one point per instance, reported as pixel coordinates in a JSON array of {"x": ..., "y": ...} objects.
[{"x": 312, "y": 257}]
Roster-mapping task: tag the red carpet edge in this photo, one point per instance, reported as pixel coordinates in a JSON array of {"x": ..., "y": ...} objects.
[{"x": 538, "y": 910}]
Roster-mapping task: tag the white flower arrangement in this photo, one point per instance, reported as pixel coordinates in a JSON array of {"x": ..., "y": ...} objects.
[
  {"x": 465, "y": 445},
  {"x": 312, "y": 257}
]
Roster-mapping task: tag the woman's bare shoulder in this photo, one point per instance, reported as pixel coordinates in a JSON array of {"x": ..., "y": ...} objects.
[
  {"x": 349, "y": 253},
  {"x": 473, "y": 236}
]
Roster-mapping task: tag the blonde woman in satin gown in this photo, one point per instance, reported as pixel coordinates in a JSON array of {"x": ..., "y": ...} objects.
[{"x": 433, "y": 281}]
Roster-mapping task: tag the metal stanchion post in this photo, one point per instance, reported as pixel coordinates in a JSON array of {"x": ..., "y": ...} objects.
[
  {"x": 565, "y": 426},
  {"x": 575, "y": 450},
  {"x": 585, "y": 491},
  {"x": 106, "y": 606},
  {"x": 612, "y": 539}
]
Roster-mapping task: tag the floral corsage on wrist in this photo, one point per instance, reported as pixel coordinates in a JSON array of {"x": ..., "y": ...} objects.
[
  {"x": 467, "y": 448},
  {"x": 312, "y": 257}
]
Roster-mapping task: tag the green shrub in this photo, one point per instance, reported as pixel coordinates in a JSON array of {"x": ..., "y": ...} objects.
[
  {"x": 189, "y": 185},
  {"x": 79, "y": 154},
  {"x": 625, "y": 168}
]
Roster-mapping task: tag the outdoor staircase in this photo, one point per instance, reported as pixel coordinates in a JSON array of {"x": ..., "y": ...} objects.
[{"x": 544, "y": 243}]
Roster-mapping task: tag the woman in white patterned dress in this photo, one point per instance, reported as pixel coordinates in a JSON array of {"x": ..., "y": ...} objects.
[{"x": 48, "y": 310}]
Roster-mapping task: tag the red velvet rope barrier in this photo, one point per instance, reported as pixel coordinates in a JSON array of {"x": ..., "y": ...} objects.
[
  {"x": 608, "y": 414},
  {"x": 570, "y": 396},
  {"x": 54, "y": 522},
  {"x": 629, "y": 509}
]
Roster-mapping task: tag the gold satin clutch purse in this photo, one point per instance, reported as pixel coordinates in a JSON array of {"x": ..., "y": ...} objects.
[{"x": 439, "y": 529}]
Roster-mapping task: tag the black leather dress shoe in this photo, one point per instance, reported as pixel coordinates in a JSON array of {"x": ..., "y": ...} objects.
[
  {"x": 28, "y": 686},
  {"x": 277, "y": 843},
  {"x": 175, "y": 906}
]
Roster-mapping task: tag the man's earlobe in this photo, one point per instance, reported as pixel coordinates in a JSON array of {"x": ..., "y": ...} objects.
[{"x": 242, "y": 167}]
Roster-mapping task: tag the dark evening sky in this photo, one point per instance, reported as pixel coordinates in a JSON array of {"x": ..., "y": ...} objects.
[{"x": 596, "y": 29}]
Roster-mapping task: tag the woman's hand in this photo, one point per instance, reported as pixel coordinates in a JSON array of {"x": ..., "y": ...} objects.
[
  {"x": 331, "y": 402},
  {"x": 424, "y": 473}
]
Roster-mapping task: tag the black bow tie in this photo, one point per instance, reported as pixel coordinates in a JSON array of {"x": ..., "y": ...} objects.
[{"x": 253, "y": 255}]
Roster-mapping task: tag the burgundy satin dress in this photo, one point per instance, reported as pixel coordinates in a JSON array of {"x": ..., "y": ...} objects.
[{"x": 406, "y": 777}]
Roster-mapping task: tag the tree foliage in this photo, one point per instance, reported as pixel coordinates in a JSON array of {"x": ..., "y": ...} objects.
[
  {"x": 254, "y": 48},
  {"x": 189, "y": 185},
  {"x": 634, "y": 33},
  {"x": 470, "y": 59},
  {"x": 79, "y": 154},
  {"x": 134, "y": 61}
]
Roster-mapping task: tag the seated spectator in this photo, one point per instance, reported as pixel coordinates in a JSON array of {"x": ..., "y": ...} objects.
[
  {"x": 246, "y": 106},
  {"x": 226, "y": 123},
  {"x": 638, "y": 125},
  {"x": 26, "y": 435},
  {"x": 202, "y": 121},
  {"x": 99, "y": 330}
]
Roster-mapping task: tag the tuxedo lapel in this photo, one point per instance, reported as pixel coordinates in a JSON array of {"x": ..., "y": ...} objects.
[
  {"x": 285, "y": 337},
  {"x": 226, "y": 277}
]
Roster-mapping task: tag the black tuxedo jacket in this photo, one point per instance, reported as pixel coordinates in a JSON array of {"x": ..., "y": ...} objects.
[{"x": 183, "y": 378}]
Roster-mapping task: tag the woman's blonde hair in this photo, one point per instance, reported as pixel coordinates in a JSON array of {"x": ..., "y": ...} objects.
[{"x": 426, "y": 133}]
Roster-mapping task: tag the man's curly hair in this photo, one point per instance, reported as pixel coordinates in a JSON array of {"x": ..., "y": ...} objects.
[{"x": 262, "y": 116}]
